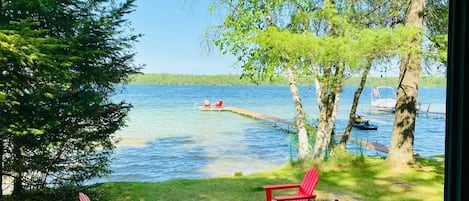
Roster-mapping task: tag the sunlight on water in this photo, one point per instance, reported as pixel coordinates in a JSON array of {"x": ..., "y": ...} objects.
[{"x": 168, "y": 137}]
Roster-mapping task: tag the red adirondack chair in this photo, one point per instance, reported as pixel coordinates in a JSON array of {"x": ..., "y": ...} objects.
[
  {"x": 305, "y": 188},
  {"x": 83, "y": 197}
]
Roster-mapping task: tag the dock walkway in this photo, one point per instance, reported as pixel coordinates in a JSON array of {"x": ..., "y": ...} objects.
[
  {"x": 368, "y": 144},
  {"x": 259, "y": 116},
  {"x": 277, "y": 122}
]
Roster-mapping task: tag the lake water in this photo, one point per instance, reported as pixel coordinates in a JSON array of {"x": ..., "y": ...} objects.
[{"x": 168, "y": 137}]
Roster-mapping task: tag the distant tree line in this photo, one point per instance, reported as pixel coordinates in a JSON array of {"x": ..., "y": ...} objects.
[{"x": 230, "y": 79}]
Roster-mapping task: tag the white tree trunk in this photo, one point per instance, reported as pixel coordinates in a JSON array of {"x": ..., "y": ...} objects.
[{"x": 303, "y": 147}]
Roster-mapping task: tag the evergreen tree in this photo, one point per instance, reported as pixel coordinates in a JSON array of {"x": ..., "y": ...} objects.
[{"x": 57, "y": 84}]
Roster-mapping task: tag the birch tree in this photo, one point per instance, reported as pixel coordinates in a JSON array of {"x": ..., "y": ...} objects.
[
  {"x": 237, "y": 35},
  {"x": 328, "y": 48},
  {"x": 410, "y": 13}
]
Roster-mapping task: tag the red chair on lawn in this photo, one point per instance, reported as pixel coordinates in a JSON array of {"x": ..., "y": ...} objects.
[
  {"x": 83, "y": 197},
  {"x": 305, "y": 188}
]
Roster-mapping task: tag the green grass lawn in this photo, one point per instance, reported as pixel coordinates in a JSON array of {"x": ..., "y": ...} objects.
[{"x": 355, "y": 179}]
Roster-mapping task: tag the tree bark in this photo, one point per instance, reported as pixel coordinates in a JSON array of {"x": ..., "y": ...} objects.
[
  {"x": 328, "y": 106},
  {"x": 304, "y": 152},
  {"x": 356, "y": 98},
  {"x": 402, "y": 142},
  {"x": 18, "y": 168},
  {"x": 1, "y": 157}
]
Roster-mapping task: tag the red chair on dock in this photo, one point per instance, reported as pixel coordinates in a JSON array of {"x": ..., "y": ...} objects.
[
  {"x": 207, "y": 104},
  {"x": 305, "y": 188},
  {"x": 219, "y": 104}
]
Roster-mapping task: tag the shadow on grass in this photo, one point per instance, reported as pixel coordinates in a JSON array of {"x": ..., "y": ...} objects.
[
  {"x": 364, "y": 180},
  {"x": 361, "y": 179}
]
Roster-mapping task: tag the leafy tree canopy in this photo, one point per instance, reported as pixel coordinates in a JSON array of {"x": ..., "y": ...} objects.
[{"x": 60, "y": 61}]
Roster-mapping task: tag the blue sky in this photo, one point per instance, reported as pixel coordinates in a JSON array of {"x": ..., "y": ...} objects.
[{"x": 172, "y": 38}]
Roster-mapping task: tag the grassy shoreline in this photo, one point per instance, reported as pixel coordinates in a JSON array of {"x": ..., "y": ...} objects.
[
  {"x": 351, "y": 178},
  {"x": 368, "y": 178}
]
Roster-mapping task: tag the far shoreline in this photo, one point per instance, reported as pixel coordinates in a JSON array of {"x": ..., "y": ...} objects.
[{"x": 237, "y": 80}]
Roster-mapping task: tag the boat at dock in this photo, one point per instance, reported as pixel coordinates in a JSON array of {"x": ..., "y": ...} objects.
[{"x": 383, "y": 99}]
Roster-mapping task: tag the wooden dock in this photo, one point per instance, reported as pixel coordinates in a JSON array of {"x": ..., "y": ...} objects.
[
  {"x": 372, "y": 145},
  {"x": 368, "y": 144},
  {"x": 434, "y": 115},
  {"x": 254, "y": 115},
  {"x": 431, "y": 112},
  {"x": 260, "y": 116}
]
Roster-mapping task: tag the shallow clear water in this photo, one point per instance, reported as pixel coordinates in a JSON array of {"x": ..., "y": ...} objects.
[{"x": 168, "y": 137}]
